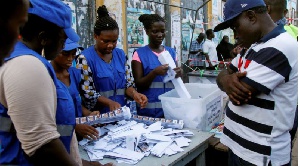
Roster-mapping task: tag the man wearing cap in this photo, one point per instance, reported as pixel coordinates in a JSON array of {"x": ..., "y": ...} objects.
[
  {"x": 36, "y": 112},
  {"x": 261, "y": 85},
  {"x": 277, "y": 9}
]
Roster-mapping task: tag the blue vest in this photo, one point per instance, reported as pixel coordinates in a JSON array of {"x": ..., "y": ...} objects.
[
  {"x": 109, "y": 78},
  {"x": 75, "y": 77},
  {"x": 11, "y": 151},
  {"x": 150, "y": 62}
]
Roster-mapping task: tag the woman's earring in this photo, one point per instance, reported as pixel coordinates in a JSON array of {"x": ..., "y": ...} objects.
[{"x": 43, "y": 52}]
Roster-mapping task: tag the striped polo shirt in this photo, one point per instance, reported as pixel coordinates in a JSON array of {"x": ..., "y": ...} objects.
[{"x": 258, "y": 131}]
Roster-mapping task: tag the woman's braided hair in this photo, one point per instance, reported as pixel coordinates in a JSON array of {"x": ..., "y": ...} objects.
[
  {"x": 149, "y": 19},
  {"x": 104, "y": 21}
]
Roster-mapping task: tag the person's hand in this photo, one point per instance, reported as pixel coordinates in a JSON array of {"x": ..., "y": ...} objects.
[
  {"x": 95, "y": 163},
  {"x": 161, "y": 70},
  {"x": 237, "y": 93},
  {"x": 87, "y": 131},
  {"x": 107, "y": 164},
  {"x": 237, "y": 50},
  {"x": 113, "y": 105},
  {"x": 140, "y": 99},
  {"x": 178, "y": 71},
  {"x": 97, "y": 113},
  {"x": 210, "y": 65}
]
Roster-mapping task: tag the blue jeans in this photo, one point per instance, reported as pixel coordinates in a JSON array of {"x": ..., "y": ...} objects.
[{"x": 234, "y": 160}]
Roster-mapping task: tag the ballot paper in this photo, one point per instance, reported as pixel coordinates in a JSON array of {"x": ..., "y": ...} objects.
[
  {"x": 170, "y": 75},
  {"x": 130, "y": 141},
  {"x": 102, "y": 131},
  {"x": 166, "y": 123},
  {"x": 157, "y": 138},
  {"x": 159, "y": 149},
  {"x": 166, "y": 58},
  {"x": 173, "y": 149},
  {"x": 155, "y": 127},
  {"x": 182, "y": 141},
  {"x": 122, "y": 113}
]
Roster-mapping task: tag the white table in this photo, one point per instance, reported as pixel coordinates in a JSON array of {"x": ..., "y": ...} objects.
[{"x": 196, "y": 150}]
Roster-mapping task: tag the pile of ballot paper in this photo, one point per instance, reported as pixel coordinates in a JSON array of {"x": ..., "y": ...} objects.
[
  {"x": 124, "y": 113},
  {"x": 130, "y": 141},
  {"x": 113, "y": 116}
]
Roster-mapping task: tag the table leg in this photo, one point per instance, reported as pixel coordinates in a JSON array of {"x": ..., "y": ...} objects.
[{"x": 200, "y": 160}]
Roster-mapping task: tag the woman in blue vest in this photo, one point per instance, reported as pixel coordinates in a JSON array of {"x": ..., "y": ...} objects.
[
  {"x": 148, "y": 72},
  {"x": 106, "y": 77},
  {"x": 36, "y": 111},
  {"x": 71, "y": 77}
]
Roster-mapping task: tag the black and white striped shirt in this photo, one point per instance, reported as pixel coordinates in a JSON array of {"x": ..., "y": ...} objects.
[{"x": 259, "y": 131}]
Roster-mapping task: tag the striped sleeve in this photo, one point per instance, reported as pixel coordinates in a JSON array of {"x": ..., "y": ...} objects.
[
  {"x": 266, "y": 69},
  {"x": 234, "y": 63}
]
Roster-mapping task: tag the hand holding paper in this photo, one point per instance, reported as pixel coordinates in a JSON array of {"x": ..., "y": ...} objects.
[
  {"x": 166, "y": 58},
  {"x": 178, "y": 72},
  {"x": 87, "y": 131},
  {"x": 161, "y": 70}
]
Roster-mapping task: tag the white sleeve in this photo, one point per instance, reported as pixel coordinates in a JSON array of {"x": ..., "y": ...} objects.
[
  {"x": 30, "y": 96},
  {"x": 205, "y": 47}
]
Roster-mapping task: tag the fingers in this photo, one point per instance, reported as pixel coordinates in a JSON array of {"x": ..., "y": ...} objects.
[
  {"x": 96, "y": 163},
  {"x": 166, "y": 65},
  {"x": 114, "y": 106},
  {"x": 236, "y": 91},
  {"x": 109, "y": 164},
  {"x": 87, "y": 131},
  {"x": 95, "y": 113},
  {"x": 161, "y": 70},
  {"x": 92, "y": 133},
  {"x": 144, "y": 104},
  {"x": 178, "y": 71},
  {"x": 142, "y": 100},
  {"x": 233, "y": 100},
  {"x": 236, "y": 100},
  {"x": 241, "y": 75},
  {"x": 241, "y": 90},
  {"x": 239, "y": 93}
]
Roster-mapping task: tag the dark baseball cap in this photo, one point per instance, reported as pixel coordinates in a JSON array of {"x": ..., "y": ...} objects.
[{"x": 233, "y": 8}]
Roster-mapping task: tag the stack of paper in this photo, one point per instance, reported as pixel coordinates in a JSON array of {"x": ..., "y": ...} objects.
[
  {"x": 129, "y": 141},
  {"x": 166, "y": 123},
  {"x": 122, "y": 113}
]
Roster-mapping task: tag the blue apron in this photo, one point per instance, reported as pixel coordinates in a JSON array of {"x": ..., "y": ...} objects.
[
  {"x": 11, "y": 151},
  {"x": 75, "y": 77},
  {"x": 109, "y": 78},
  {"x": 150, "y": 61}
]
